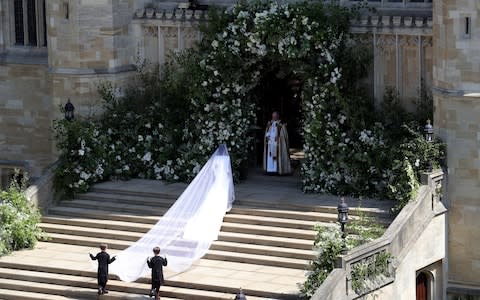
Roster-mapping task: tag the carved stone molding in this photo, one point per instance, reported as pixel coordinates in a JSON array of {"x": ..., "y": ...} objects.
[{"x": 150, "y": 31}]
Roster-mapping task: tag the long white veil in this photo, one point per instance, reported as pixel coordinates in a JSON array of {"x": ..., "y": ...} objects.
[{"x": 188, "y": 228}]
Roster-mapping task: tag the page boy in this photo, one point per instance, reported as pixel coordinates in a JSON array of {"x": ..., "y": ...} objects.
[
  {"x": 156, "y": 263},
  {"x": 103, "y": 261}
]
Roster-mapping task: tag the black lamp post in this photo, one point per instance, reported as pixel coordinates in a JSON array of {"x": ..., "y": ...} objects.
[
  {"x": 343, "y": 219},
  {"x": 69, "y": 108},
  {"x": 429, "y": 138},
  {"x": 240, "y": 295}
]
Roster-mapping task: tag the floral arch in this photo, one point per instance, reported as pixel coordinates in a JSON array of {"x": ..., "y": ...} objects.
[
  {"x": 166, "y": 127},
  {"x": 243, "y": 44}
]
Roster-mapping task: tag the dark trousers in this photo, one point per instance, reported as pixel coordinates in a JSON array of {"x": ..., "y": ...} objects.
[{"x": 102, "y": 281}]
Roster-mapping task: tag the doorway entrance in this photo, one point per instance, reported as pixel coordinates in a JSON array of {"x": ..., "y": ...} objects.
[
  {"x": 278, "y": 91},
  {"x": 422, "y": 286}
]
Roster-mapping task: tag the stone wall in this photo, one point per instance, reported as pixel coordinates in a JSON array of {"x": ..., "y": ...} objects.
[
  {"x": 25, "y": 115},
  {"x": 457, "y": 121},
  {"x": 421, "y": 257},
  {"x": 89, "y": 34},
  {"x": 456, "y": 74}
]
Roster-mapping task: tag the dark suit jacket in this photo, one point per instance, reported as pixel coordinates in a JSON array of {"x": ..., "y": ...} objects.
[
  {"x": 156, "y": 264},
  {"x": 103, "y": 261}
]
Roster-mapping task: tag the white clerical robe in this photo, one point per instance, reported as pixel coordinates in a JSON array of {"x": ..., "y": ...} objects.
[{"x": 276, "y": 158}]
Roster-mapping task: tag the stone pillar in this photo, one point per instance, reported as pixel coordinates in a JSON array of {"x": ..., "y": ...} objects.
[{"x": 456, "y": 92}]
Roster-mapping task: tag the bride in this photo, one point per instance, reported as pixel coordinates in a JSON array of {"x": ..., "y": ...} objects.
[{"x": 189, "y": 227}]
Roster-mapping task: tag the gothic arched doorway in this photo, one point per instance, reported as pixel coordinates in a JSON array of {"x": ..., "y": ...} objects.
[{"x": 422, "y": 286}]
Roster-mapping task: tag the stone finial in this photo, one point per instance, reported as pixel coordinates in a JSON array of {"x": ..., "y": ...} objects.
[
  {"x": 189, "y": 14},
  {"x": 139, "y": 12},
  {"x": 159, "y": 13},
  {"x": 419, "y": 21},
  {"x": 407, "y": 21},
  {"x": 397, "y": 20},
  {"x": 385, "y": 20},
  {"x": 429, "y": 22},
  {"x": 149, "y": 12},
  {"x": 364, "y": 20}
]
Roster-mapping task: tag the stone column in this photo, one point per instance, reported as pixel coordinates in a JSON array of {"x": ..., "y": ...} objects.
[{"x": 456, "y": 92}]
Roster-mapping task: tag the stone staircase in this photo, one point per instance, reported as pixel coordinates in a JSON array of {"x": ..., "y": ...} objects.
[{"x": 263, "y": 248}]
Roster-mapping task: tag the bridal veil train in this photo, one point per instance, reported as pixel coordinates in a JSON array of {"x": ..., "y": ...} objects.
[{"x": 188, "y": 228}]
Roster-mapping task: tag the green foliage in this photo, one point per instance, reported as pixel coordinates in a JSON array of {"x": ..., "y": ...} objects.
[
  {"x": 165, "y": 126},
  {"x": 370, "y": 269},
  {"x": 18, "y": 220},
  {"x": 329, "y": 243}
]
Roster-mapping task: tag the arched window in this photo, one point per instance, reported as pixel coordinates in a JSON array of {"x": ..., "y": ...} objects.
[{"x": 29, "y": 23}]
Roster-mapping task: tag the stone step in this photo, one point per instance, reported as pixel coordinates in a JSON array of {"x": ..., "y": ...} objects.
[
  {"x": 68, "y": 292},
  {"x": 265, "y": 240},
  {"x": 92, "y": 218},
  {"x": 265, "y": 259},
  {"x": 163, "y": 201},
  {"x": 22, "y": 295},
  {"x": 269, "y": 230},
  {"x": 98, "y": 188},
  {"x": 159, "y": 211},
  {"x": 269, "y": 221},
  {"x": 286, "y": 214},
  {"x": 70, "y": 227},
  {"x": 226, "y": 227},
  {"x": 116, "y": 207},
  {"x": 260, "y": 249},
  {"x": 86, "y": 288},
  {"x": 102, "y": 215},
  {"x": 229, "y": 286},
  {"x": 331, "y": 208}
]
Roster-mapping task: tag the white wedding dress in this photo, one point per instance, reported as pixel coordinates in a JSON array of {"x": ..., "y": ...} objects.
[{"x": 189, "y": 227}]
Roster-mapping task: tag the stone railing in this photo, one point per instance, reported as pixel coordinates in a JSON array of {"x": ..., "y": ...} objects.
[
  {"x": 172, "y": 14},
  {"x": 371, "y": 266},
  {"x": 388, "y": 4},
  {"x": 41, "y": 192}
]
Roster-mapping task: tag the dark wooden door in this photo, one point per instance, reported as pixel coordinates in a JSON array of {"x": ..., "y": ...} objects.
[{"x": 422, "y": 292}]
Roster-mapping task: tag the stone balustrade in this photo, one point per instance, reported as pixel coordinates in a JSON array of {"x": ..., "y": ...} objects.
[
  {"x": 175, "y": 14},
  {"x": 374, "y": 265}
]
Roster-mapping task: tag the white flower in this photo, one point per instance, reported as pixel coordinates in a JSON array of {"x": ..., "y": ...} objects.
[
  {"x": 147, "y": 157},
  {"x": 99, "y": 170},
  {"x": 84, "y": 175},
  {"x": 140, "y": 138},
  {"x": 204, "y": 83},
  {"x": 118, "y": 157},
  {"x": 215, "y": 44},
  {"x": 417, "y": 163},
  {"x": 147, "y": 125},
  {"x": 126, "y": 168},
  {"x": 81, "y": 152},
  {"x": 304, "y": 21},
  {"x": 216, "y": 73}
]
